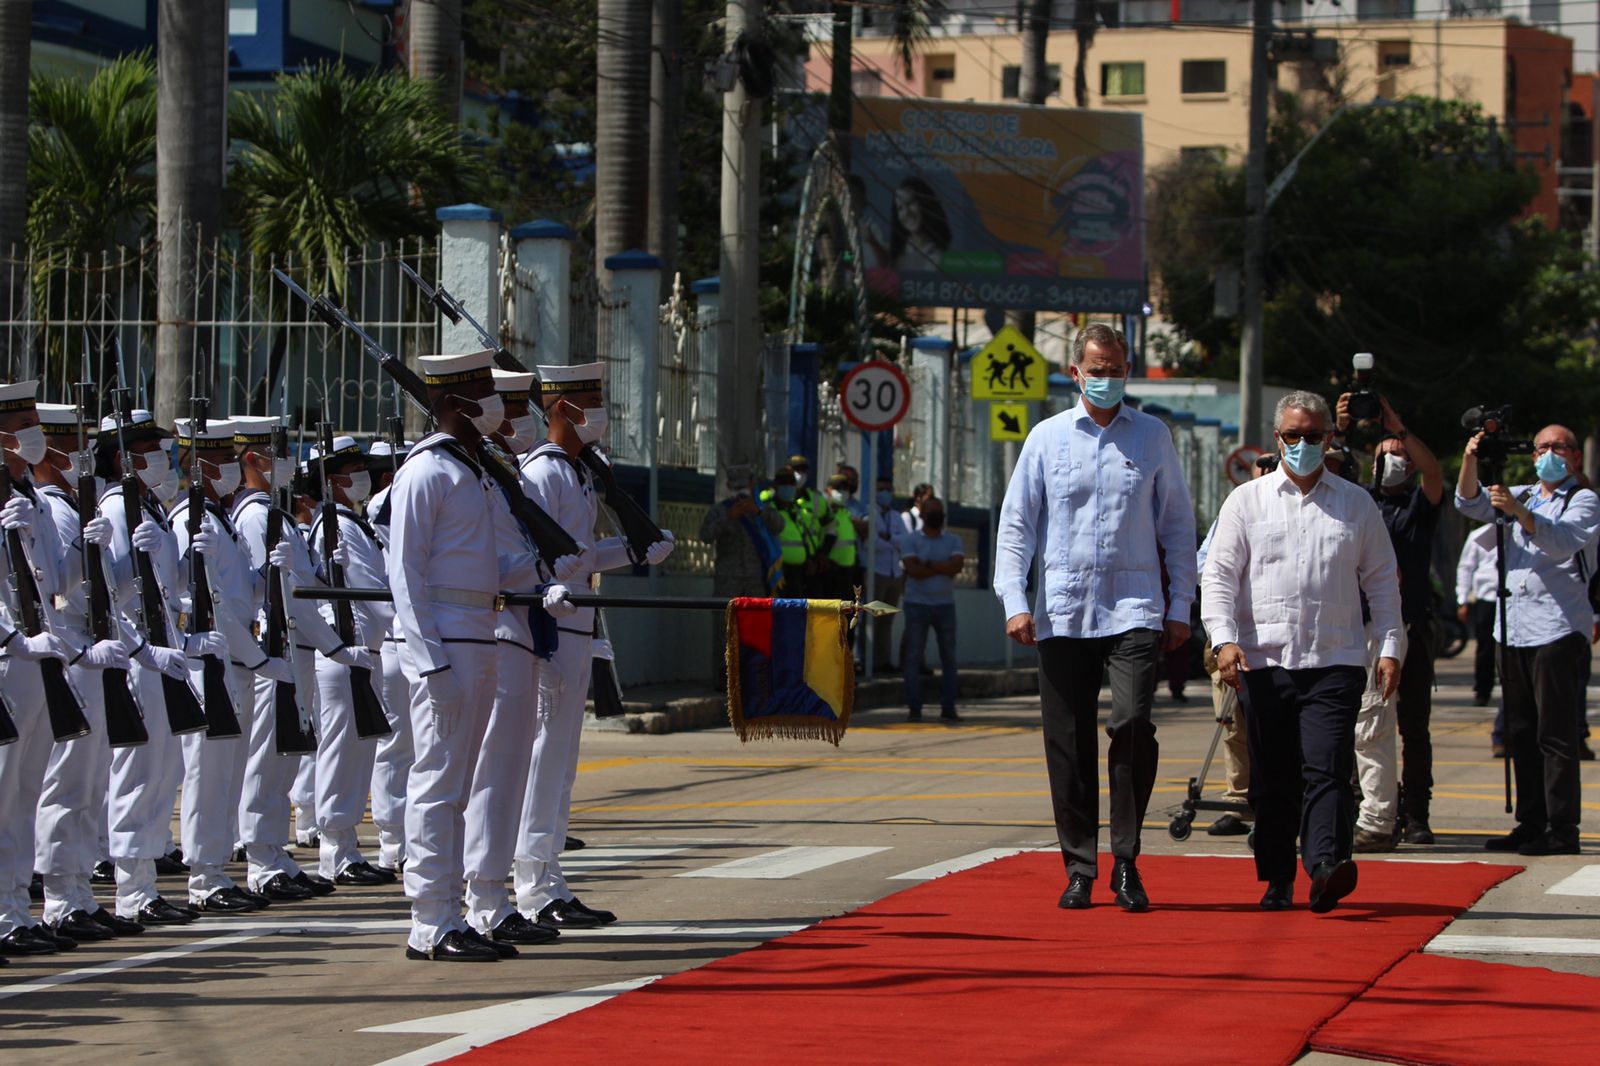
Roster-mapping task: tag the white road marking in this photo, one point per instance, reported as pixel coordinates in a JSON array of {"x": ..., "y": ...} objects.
[
  {"x": 1586, "y": 882},
  {"x": 1513, "y": 945},
  {"x": 785, "y": 862},
  {"x": 485, "y": 1025},
  {"x": 957, "y": 864},
  {"x": 607, "y": 857}
]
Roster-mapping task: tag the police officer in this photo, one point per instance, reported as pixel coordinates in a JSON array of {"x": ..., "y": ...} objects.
[
  {"x": 794, "y": 542},
  {"x": 845, "y": 530}
]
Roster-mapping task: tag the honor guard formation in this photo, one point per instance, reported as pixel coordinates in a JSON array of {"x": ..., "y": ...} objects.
[{"x": 155, "y": 656}]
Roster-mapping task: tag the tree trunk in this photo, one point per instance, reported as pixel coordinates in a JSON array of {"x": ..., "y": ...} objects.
[
  {"x": 1083, "y": 15},
  {"x": 666, "y": 108},
  {"x": 840, "y": 94},
  {"x": 433, "y": 49},
  {"x": 1034, "y": 85},
  {"x": 16, "y": 46},
  {"x": 622, "y": 131},
  {"x": 191, "y": 103}
]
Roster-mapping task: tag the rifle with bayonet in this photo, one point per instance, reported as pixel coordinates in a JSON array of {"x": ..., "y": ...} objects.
[
  {"x": 222, "y": 720},
  {"x": 366, "y": 709},
  {"x": 293, "y": 736},
  {"x": 125, "y": 726}
]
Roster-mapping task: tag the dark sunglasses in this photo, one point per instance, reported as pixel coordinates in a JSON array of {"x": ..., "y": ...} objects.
[{"x": 1291, "y": 438}]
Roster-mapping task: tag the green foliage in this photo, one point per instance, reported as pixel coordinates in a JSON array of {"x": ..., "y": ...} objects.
[
  {"x": 333, "y": 160},
  {"x": 91, "y": 157}
]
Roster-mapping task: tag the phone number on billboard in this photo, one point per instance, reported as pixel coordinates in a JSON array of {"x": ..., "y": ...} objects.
[{"x": 1040, "y": 296}]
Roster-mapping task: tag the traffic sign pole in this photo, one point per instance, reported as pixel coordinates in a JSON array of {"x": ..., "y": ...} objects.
[{"x": 871, "y": 635}]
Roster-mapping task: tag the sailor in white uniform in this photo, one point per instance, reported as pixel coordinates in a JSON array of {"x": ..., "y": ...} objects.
[
  {"x": 392, "y": 763},
  {"x": 554, "y": 479}
]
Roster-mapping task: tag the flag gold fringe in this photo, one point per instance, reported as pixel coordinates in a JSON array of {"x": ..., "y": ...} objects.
[{"x": 787, "y": 727}]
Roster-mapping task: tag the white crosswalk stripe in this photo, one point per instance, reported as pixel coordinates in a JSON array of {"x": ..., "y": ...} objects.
[
  {"x": 1513, "y": 945},
  {"x": 957, "y": 864},
  {"x": 783, "y": 863},
  {"x": 611, "y": 856},
  {"x": 1586, "y": 882}
]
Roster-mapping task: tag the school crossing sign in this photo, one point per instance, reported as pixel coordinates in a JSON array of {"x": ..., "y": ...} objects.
[{"x": 1009, "y": 367}]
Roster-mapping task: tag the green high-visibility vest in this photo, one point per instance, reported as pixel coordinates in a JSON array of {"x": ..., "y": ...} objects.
[{"x": 845, "y": 543}]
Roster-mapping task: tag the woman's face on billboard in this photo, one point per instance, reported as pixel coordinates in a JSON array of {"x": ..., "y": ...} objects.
[{"x": 909, "y": 210}]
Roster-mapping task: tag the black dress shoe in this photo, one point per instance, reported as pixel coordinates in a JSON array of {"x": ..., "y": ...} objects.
[
  {"x": 119, "y": 926},
  {"x": 21, "y": 941},
  {"x": 913, "y": 716},
  {"x": 562, "y": 915},
  {"x": 1076, "y": 897},
  {"x": 1129, "y": 889},
  {"x": 159, "y": 912},
  {"x": 390, "y": 874},
  {"x": 949, "y": 716},
  {"x": 316, "y": 884},
  {"x": 1417, "y": 833},
  {"x": 1229, "y": 825},
  {"x": 227, "y": 901},
  {"x": 104, "y": 873},
  {"x": 500, "y": 948},
  {"x": 518, "y": 930},
  {"x": 360, "y": 873},
  {"x": 36, "y": 888},
  {"x": 261, "y": 902},
  {"x": 455, "y": 946},
  {"x": 311, "y": 843},
  {"x": 1513, "y": 840},
  {"x": 576, "y": 904},
  {"x": 238, "y": 855},
  {"x": 574, "y": 844},
  {"x": 1331, "y": 882},
  {"x": 283, "y": 888},
  {"x": 80, "y": 927},
  {"x": 1551, "y": 844},
  {"x": 62, "y": 941},
  {"x": 171, "y": 864},
  {"x": 1279, "y": 895}
]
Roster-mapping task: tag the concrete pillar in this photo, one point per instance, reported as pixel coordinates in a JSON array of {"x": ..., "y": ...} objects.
[
  {"x": 933, "y": 356},
  {"x": 636, "y": 277},
  {"x": 469, "y": 266},
  {"x": 544, "y": 317},
  {"x": 708, "y": 312}
]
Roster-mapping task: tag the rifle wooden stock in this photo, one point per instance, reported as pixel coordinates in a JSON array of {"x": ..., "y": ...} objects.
[
  {"x": 290, "y": 735},
  {"x": 366, "y": 708},
  {"x": 125, "y": 726},
  {"x": 222, "y": 719}
]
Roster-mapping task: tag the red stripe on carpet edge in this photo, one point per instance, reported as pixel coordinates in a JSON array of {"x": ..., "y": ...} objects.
[
  {"x": 1432, "y": 1010},
  {"x": 982, "y": 965}
]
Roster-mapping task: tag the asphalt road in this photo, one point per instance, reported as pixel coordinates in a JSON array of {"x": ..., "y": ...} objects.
[{"x": 705, "y": 846}]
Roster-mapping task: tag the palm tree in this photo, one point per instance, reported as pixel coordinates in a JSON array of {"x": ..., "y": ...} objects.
[
  {"x": 666, "y": 107},
  {"x": 1034, "y": 84},
  {"x": 622, "y": 130},
  {"x": 332, "y": 161},
  {"x": 1083, "y": 25},
  {"x": 433, "y": 51},
  {"x": 91, "y": 157},
  {"x": 16, "y": 49}
]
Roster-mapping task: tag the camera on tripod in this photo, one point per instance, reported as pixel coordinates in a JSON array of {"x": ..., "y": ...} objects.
[
  {"x": 1497, "y": 443},
  {"x": 1364, "y": 404}
]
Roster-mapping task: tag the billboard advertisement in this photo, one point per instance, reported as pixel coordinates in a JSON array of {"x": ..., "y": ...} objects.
[{"x": 1015, "y": 207}]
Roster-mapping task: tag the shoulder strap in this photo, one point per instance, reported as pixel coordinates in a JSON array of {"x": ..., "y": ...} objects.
[
  {"x": 443, "y": 442},
  {"x": 551, "y": 450}
]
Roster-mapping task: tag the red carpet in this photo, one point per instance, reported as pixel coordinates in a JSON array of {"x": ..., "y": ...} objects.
[
  {"x": 1462, "y": 1012},
  {"x": 982, "y": 966}
]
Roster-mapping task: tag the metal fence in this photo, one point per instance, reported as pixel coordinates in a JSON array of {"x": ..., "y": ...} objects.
[{"x": 686, "y": 387}]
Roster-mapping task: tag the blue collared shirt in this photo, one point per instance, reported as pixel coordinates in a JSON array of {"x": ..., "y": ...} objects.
[
  {"x": 1095, "y": 505},
  {"x": 1549, "y": 594}
]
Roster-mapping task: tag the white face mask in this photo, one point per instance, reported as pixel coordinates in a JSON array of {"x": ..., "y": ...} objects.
[
  {"x": 593, "y": 426},
  {"x": 838, "y": 496},
  {"x": 360, "y": 487},
  {"x": 524, "y": 432},
  {"x": 31, "y": 444},
  {"x": 282, "y": 472},
  {"x": 153, "y": 470},
  {"x": 1395, "y": 472},
  {"x": 799, "y": 479},
  {"x": 166, "y": 489},
  {"x": 492, "y": 412},
  {"x": 227, "y": 481}
]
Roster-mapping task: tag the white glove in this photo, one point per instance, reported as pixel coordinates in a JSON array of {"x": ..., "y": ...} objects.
[
  {"x": 281, "y": 555},
  {"x": 168, "y": 661},
  {"x": 210, "y": 643},
  {"x": 17, "y": 513},
  {"x": 444, "y": 699},
  {"x": 97, "y": 531},
  {"x": 44, "y": 646},
  {"x": 277, "y": 669},
  {"x": 601, "y": 649},
  {"x": 148, "y": 537},
  {"x": 556, "y": 602},
  {"x": 106, "y": 655},
  {"x": 353, "y": 656},
  {"x": 341, "y": 554},
  {"x": 206, "y": 542},
  {"x": 658, "y": 551},
  {"x": 568, "y": 567}
]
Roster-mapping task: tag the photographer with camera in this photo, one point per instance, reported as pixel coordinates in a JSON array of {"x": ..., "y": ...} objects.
[
  {"x": 1547, "y": 529},
  {"x": 1408, "y": 487}
]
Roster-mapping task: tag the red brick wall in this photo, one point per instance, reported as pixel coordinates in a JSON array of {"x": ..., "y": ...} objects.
[{"x": 1535, "y": 103}]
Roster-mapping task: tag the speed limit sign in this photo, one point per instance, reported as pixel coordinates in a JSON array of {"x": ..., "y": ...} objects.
[{"x": 875, "y": 395}]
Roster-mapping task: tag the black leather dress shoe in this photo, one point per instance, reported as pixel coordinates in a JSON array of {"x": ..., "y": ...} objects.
[
  {"x": 119, "y": 926},
  {"x": 562, "y": 915},
  {"x": 1331, "y": 882},
  {"x": 1551, "y": 843},
  {"x": 159, "y": 912},
  {"x": 518, "y": 930},
  {"x": 227, "y": 901},
  {"x": 574, "y": 844},
  {"x": 1279, "y": 896},
  {"x": 104, "y": 873},
  {"x": 80, "y": 927},
  {"x": 316, "y": 884},
  {"x": 605, "y": 917},
  {"x": 1076, "y": 897},
  {"x": 455, "y": 946},
  {"x": 238, "y": 855},
  {"x": 500, "y": 948},
  {"x": 1229, "y": 825},
  {"x": 391, "y": 874},
  {"x": 359, "y": 873},
  {"x": 36, "y": 888},
  {"x": 261, "y": 902},
  {"x": 1129, "y": 888},
  {"x": 21, "y": 941},
  {"x": 283, "y": 888},
  {"x": 171, "y": 864},
  {"x": 62, "y": 941},
  {"x": 950, "y": 716},
  {"x": 1513, "y": 840}
]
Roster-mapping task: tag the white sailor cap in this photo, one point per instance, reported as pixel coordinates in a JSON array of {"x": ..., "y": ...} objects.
[
  {"x": 60, "y": 420},
  {"x": 19, "y": 395},
  {"x": 455, "y": 369},
  {"x": 587, "y": 377},
  {"x": 219, "y": 431},
  {"x": 140, "y": 423},
  {"x": 513, "y": 384},
  {"x": 253, "y": 430},
  {"x": 382, "y": 448},
  {"x": 343, "y": 448}
]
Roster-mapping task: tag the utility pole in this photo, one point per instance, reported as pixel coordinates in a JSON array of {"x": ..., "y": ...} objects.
[
  {"x": 666, "y": 106},
  {"x": 1255, "y": 239},
  {"x": 739, "y": 341}
]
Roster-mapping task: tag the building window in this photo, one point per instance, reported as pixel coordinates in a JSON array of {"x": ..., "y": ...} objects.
[
  {"x": 1204, "y": 76},
  {"x": 1122, "y": 79},
  {"x": 866, "y": 83},
  {"x": 942, "y": 74},
  {"x": 242, "y": 20},
  {"x": 1011, "y": 81},
  {"x": 1393, "y": 54}
]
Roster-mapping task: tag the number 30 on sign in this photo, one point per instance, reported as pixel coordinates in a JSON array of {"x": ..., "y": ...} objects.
[{"x": 874, "y": 395}]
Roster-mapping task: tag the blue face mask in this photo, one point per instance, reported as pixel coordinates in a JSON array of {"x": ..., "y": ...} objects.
[
  {"x": 1550, "y": 467},
  {"x": 786, "y": 493},
  {"x": 885, "y": 498},
  {"x": 1302, "y": 458},
  {"x": 1103, "y": 392}
]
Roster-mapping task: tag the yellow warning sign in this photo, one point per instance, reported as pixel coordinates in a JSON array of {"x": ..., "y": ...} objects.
[
  {"x": 1009, "y": 368},
  {"x": 1008, "y": 421}
]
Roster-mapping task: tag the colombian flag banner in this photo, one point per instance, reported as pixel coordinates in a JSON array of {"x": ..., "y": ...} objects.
[{"x": 790, "y": 673}]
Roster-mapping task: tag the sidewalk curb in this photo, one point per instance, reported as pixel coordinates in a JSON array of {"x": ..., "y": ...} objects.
[{"x": 709, "y": 712}]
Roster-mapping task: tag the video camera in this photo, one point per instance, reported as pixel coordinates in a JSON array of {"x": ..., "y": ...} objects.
[
  {"x": 1364, "y": 404},
  {"x": 1497, "y": 443}
]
